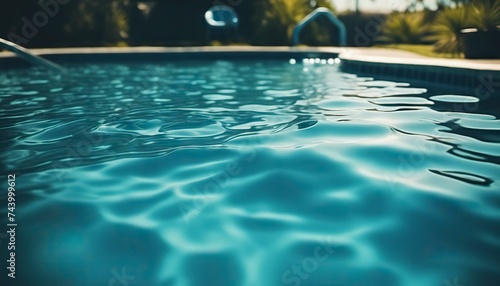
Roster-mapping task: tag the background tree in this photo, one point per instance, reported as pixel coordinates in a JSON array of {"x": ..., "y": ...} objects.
[{"x": 75, "y": 23}]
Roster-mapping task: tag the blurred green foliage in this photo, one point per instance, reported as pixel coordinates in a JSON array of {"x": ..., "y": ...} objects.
[
  {"x": 447, "y": 27},
  {"x": 275, "y": 20},
  {"x": 56, "y": 23},
  {"x": 262, "y": 22},
  {"x": 162, "y": 22},
  {"x": 485, "y": 14},
  {"x": 98, "y": 22},
  {"x": 406, "y": 28},
  {"x": 480, "y": 14},
  {"x": 442, "y": 28}
]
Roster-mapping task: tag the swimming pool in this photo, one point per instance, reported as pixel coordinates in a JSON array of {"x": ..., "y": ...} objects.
[{"x": 248, "y": 172}]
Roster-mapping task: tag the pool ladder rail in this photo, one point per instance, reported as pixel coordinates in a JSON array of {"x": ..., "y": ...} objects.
[
  {"x": 322, "y": 11},
  {"x": 25, "y": 54}
]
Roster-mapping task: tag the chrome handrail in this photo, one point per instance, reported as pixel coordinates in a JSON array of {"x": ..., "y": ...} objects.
[
  {"x": 30, "y": 57},
  {"x": 313, "y": 15}
]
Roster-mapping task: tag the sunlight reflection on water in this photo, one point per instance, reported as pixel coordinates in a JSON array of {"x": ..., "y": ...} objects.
[{"x": 248, "y": 173}]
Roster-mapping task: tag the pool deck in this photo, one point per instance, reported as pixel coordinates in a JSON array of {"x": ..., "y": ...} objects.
[{"x": 409, "y": 58}]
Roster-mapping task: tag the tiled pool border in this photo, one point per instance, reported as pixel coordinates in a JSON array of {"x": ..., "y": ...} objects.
[
  {"x": 436, "y": 75},
  {"x": 456, "y": 74},
  {"x": 456, "y": 78}
]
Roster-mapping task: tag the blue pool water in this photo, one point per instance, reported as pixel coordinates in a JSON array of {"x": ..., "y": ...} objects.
[{"x": 247, "y": 173}]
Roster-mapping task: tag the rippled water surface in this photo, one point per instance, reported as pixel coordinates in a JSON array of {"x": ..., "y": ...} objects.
[{"x": 248, "y": 173}]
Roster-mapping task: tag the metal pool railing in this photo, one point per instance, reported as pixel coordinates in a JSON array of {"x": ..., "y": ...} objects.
[
  {"x": 312, "y": 16},
  {"x": 30, "y": 57}
]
